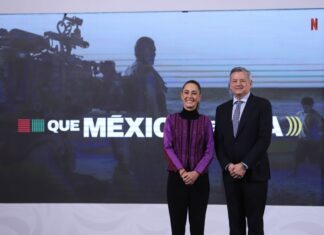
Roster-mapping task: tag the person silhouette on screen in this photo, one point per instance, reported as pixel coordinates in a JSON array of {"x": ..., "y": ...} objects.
[
  {"x": 110, "y": 87},
  {"x": 146, "y": 92},
  {"x": 309, "y": 142},
  {"x": 147, "y": 88}
]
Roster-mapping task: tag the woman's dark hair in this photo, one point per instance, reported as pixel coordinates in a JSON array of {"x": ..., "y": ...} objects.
[{"x": 194, "y": 82}]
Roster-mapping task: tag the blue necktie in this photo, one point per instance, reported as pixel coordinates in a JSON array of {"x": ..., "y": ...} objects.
[{"x": 236, "y": 116}]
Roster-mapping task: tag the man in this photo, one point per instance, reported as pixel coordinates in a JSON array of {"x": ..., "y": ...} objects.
[
  {"x": 147, "y": 89},
  {"x": 242, "y": 136},
  {"x": 309, "y": 143},
  {"x": 146, "y": 95}
]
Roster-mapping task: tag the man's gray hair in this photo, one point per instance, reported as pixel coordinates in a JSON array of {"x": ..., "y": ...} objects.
[{"x": 241, "y": 69}]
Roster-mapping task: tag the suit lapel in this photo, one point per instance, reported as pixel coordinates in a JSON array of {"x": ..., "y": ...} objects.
[
  {"x": 247, "y": 109},
  {"x": 228, "y": 117}
]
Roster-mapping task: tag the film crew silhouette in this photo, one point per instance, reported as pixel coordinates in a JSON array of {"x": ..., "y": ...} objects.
[{"x": 39, "y": 80}]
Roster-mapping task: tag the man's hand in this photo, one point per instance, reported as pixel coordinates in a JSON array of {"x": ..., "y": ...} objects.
[{"x": 237, "y": 171}]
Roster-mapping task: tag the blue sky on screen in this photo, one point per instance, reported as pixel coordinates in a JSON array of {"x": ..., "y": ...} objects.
[{"x": 209, "y": 42}]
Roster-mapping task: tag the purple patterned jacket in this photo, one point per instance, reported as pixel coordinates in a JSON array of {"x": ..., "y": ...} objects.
[{"x": 191, "y": 151}]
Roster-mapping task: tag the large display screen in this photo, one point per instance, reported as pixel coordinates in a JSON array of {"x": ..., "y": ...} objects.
[{"x": 82, "y": 118}]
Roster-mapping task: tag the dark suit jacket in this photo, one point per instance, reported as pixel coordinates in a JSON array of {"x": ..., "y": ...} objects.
[{"x": 252, "y": 140}]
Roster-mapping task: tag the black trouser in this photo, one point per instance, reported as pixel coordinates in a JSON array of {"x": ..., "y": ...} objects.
[
  {"x": 182, "y": 199},
  {"x": 246, "y": 201}
]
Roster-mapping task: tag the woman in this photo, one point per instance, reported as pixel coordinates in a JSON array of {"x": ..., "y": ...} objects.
[{"x": 189, "y": 147}]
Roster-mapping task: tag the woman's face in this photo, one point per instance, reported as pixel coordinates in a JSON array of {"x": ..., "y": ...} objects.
[{"x": 190, "y": 96}]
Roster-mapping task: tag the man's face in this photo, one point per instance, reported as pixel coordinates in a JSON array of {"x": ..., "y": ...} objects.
[
  {"x": 240, "y": 84},
  {"x": 149, "y": 54},
  {"x": 307, "y": 108}
]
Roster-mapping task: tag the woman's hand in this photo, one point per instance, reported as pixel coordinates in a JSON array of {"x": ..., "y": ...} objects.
[{"x": 190, "y": 177}]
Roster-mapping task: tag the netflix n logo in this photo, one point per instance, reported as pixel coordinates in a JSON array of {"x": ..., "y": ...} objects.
[{"x": 314, "y": 24}]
